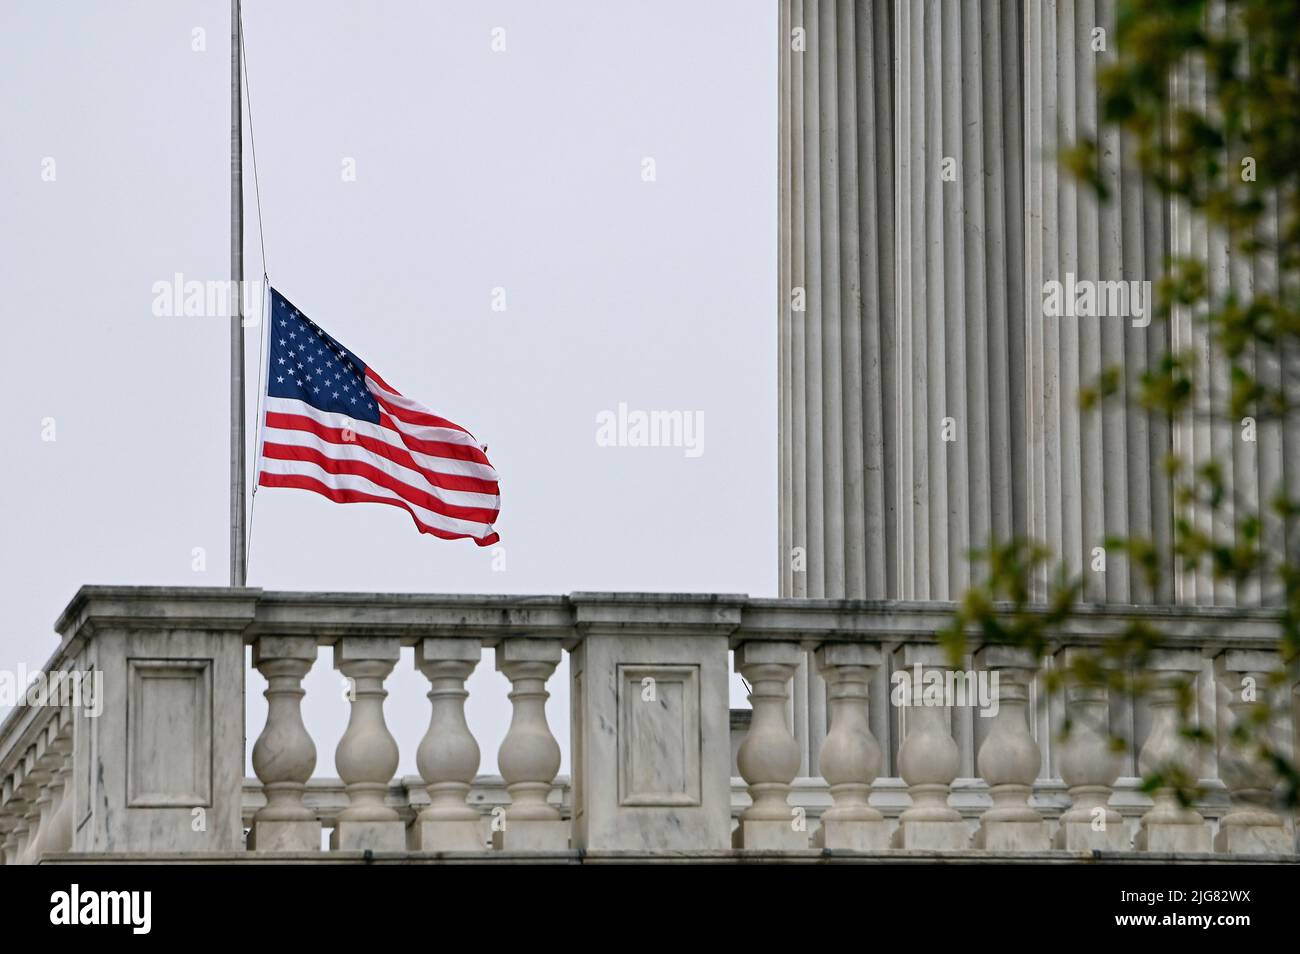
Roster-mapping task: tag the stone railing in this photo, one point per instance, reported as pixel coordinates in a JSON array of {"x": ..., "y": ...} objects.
[{"x": 151, "y": 762}]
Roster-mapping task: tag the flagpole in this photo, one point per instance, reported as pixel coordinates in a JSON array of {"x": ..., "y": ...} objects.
[{"x": 238, "y": 556}]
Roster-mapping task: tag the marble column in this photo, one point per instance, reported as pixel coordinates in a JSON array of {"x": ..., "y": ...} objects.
[
  {"x": 1097, "y": 473},
  {"x": 960, "y": 276},
  {"x": 1259, "y": 455},
  {"x": 836, "y": 298},
  {"x": 836, "y": 317}
]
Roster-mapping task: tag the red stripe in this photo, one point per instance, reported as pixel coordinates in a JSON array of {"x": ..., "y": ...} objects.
[
  {"x": 299, "y": 422},
  {"x": 423, "y": 418},
  {"x": 467, "y": 452},
  {"x": 301, "y": 482},
  {"x": 372, "y": 473}
]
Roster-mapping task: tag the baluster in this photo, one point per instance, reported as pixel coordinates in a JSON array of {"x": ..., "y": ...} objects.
[
  {"x": 49, "y": 762},
  {"x": 850, "y": 757},
  {"x": 769, "y": 757},
  {"x": 284, "y": 754},
  {"x": 56, "y": 822},
  {"x": 16, "y": 847},
  {"x": 529, "y": 756},
  {"x": 11, "y": 809},
  {"x": 1250, "y": 827},
  {"x": 1009, "y": 758},
  {"x": 35, "y": 776},
  {"x": 928, "y": 761},
  {"x": 60, "y": 836},
  {"x": 1168, "y": 826},
  {"x": 1089, "y": 766},
  {"x": 448, "y": 756},
  {"x": 367, "y": 754}
]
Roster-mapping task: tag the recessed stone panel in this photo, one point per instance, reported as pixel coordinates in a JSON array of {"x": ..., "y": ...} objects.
[
  {"x": 659, "y": 735},
  {"x": 169, "y": 733}
]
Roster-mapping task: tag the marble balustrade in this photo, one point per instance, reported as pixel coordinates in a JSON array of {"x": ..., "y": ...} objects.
[{"x": 652, "y": 768}]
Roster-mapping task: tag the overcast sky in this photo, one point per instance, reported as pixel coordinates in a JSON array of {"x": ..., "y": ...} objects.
[{"x": 474, "y": 170}]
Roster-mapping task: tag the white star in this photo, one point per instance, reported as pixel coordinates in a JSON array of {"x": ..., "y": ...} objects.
[
  {"x": 282, "y": 360},
  {"x": 282, "y": 341},
  {"x": 336, "y": 393},
  {"x": 293, "y": 334},
  {"x": 280, "y": 379},
  {"x": 315, "y": 390}
]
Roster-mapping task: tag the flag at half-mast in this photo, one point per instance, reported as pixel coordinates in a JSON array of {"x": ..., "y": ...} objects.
[{"x": 336, "y": 427}]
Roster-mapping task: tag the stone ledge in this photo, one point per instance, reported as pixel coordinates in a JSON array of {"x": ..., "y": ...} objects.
[{"x": 719, "y": 857}]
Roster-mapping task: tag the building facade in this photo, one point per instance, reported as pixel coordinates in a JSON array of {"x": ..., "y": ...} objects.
[{"x": 928, "y": 398}]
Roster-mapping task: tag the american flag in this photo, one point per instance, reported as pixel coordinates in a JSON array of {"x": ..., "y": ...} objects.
[{"x": 334, "y": 426}]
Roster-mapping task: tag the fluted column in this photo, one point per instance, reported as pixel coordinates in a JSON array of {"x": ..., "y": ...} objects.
[
  {"x": 1010, "y": 758},
  {"x": 928, "y": 761},
  {"x": 1251, "y": 825},
  {"x": 959, "y": 273},
  {"x": 448, "y": 756},
  {"x": 850, "y": 757},
  {"x": 836, "y": 297},
  {"x": 837, "y": 369},
  {"x": 1168, "y": 826},
  {"x": 1257, "y": 456},
  {"x": 1094, "y": 473},
  {"x": 769, "y": 755},
  {"x": 284, "y": 754},
  {"x": 1089, "y": 766},
  {"x": 529, "y": 756},
  {"x": 367, "y": 754}
]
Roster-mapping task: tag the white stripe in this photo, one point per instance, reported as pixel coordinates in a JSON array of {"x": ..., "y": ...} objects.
[
  {"x": 350, "y": 482},
  {"x": 423, "y": 432},
  {"x": 458, "y": 498},
  {"x": 449, "y": 435},
  {"x": 438, "y": 465}
]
